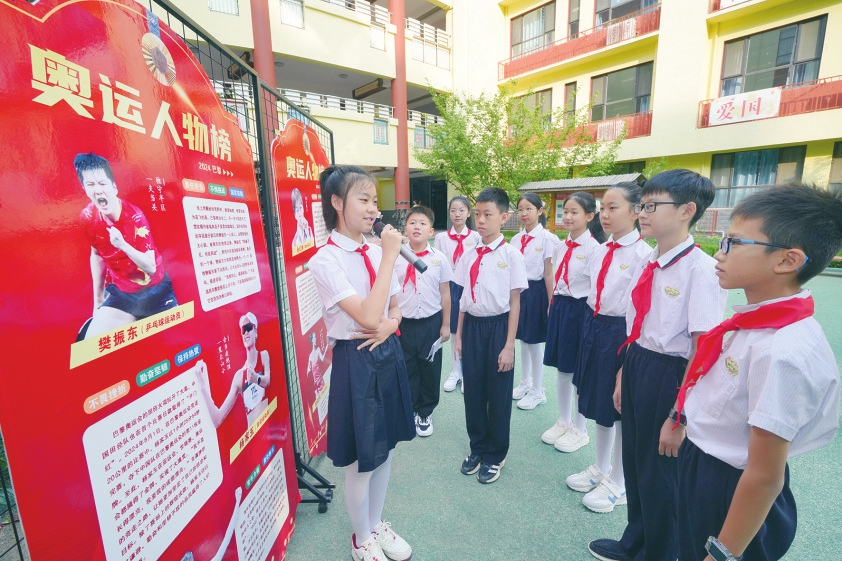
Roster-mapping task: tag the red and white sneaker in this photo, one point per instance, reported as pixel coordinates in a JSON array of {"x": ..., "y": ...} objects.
[
  {"x": 394, "y": 546},
  {"x": 369, "y": 550}
]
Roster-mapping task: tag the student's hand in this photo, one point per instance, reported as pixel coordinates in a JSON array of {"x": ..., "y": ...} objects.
[
  {"x": 374, "y": 337},
  {"x": 670, "y": 440},
  {"x": 617, "y": 391},
  {"x": 506, "y": 360},
  {"x": 457, "y": 345},
  {"x": 390, "y": 241},
  {"x": 201, "y": 371},
  {"x": 444, "y": 333},
  {"x": 116, "y": 238}
]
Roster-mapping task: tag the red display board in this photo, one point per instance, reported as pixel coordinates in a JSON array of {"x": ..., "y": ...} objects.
[
  {"x": 299, "y": 158},
  {"x": 143, "y": 397}
]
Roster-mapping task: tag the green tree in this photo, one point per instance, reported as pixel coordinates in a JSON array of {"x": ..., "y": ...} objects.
[{"x": 496, "y": 139}]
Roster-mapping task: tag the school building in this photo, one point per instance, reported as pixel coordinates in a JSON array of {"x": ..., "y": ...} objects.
[{"x": 747, "y": 92}]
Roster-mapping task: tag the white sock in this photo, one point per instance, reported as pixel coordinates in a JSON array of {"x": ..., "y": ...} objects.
[
  {"x": 618, "y": 476},
  {"x": 457, "y": 364},
  {"x": 357, "y": 501},
  {"x": 525, "y": 363},
  {"x": 580, "y": 422},
  {"x": 564, "y": 392},
  {"x": 537, "y": 352},
  {"x": 604, "y": 444},
  {"x": 377, "y": 491}
]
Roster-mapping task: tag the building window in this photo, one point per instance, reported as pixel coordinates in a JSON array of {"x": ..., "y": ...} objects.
[
  {"x": 737, "y": 175},
  {"x": 624, "y": 92},
  {"x": 570, "y": 90},
  {"x": 786, "y": 55},
  {"x": 533, "y": 30},
  {"x": 573, "y": 26},
  {"x": 608, "y": 10},
  {"x": 292, "y": 13},
  {"x": 224, "y": 6},
  {"x": 630, "y": 167},
  {"x": 835, "y": 182},
  {"x": 543, "y": 101}
]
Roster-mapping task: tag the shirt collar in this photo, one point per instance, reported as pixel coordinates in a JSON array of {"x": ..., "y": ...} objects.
[
  {"x": 493, "y": 245},
  {"x": 628, "y": 239},
  {"x": 344, "y": 241},
  {"x": 583, "y": 237},
  {"x": 465, "y": 232},
  {"x": 536, "y": 231},
  {"x": 664, "y": 259},
  {"x": 743, "y": 308}
]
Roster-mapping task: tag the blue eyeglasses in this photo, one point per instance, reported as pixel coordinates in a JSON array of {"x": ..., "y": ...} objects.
[{"x": 726, "y": 242}]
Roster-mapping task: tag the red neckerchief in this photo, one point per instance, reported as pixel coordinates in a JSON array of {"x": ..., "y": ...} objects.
[
  {"x": 481, "y": 251},
  {"x": 410, "y": 271},
  {"x": 709, "y": 345},
  {"x": 603, "y": 271},
  {"x": 457, "y": 253},
  {"x": 363, "y": 250},
  {"x": 564, "y": 266}
]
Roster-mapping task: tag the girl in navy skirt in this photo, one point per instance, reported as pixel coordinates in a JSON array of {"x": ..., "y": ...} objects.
[
  {"x": 458, "y": 241},
  {"x": 613, "y": 266},
  {"x": 567, "y": 314},
  {"x": 537, "y": 245},
  {"x": 369, "y": 409}
]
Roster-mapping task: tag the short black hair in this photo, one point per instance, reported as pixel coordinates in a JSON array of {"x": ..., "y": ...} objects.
[
  {"x": 338, "y": 180},
  {"x": 421, "y": 209},
  {"x": 683, "y": 186},
  {"x": 798, "y": 216},
  {"x": 497, "y": 196},
  {"x": 90, "y": 162}
]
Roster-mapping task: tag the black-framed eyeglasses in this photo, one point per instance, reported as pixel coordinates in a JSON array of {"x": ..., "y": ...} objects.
[
  {"x": 726, "y": 242},
  {"x": 247, "y": 327},
  {"x": 652, "y": 206}
]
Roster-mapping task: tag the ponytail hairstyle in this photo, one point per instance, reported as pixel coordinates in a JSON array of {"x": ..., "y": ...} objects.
[
  {"x": 536, "y": 201},
  {"x": 338, "y": 180},
  {"x": 631, "y": 191},
  {"x": 588, "y": 203},
  {"x": 469, "y": 222}
]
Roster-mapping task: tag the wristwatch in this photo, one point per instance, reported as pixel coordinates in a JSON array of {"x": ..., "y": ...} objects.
[
  {"x": 674, "y": 417},
  {"x": 718, "y": 551}
]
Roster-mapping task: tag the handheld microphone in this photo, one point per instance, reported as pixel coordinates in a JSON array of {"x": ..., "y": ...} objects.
[{"x": 406, "y": 251}]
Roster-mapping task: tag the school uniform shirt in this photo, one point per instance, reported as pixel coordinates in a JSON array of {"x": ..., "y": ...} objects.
[
  {"x": 626, "y": 264},
  {"x": 578, "y": 267},
  {"x": 500, "y": 272},
  {"x": 339, "y": 272},
  {"x": 784, "y": 381},
  {"x": 443, "y": 243},
  {"x": 539, "y": 248},
  {"x": 422, "y": 299},
  {"x": 686, "y": 298}
]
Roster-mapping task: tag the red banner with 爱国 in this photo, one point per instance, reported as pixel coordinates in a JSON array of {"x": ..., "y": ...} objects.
[
  {"x": 143, "y": 398},
  {"x": 298, "y": 158}
]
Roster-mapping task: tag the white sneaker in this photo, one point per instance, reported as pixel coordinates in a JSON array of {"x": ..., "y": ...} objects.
[
  {"x": 605, "y": 497},
  {"x": 522, "y": 389},
  {"x": 394, "y": 546},
  {"x": 572, "y": 440},
  {"x": 452, "y": 380},
  {"x": 554, "y": 432},
  {"x": 587, "y": 480},
  {"x": 532, "y": 399},
  {"x": 424, "y": 425},
  {"x": 369, "y": 550}
]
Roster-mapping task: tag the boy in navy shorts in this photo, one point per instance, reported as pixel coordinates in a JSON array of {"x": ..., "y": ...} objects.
[
  {"x": 766, "y": 392},
  {"x": 676, "y": 297},
  {"x": 424, "y": 301},
  {"x": 493, "y": 277}
]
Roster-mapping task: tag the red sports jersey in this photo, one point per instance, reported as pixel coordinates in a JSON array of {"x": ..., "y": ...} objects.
[{"x": 120, "y": 270}]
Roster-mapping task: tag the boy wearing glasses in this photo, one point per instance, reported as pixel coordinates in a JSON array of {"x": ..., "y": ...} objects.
[
  {"x": 251, "y": 380},
  {"x": 676, "y": 297},
  {"x": 766, "y": 392}
]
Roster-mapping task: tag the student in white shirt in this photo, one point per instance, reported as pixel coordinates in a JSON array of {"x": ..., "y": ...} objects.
[
  {"x": 767, "y": 391},
  {"x": 370, "y": 408},
  {"x": 569, "y": 306},
  {"x": 458, "y": 241},
  {"x": 424, "y": 300},
  {"x": 536, "y": 245}
]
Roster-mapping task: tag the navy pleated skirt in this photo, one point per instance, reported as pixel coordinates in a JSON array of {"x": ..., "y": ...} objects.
[
  {"x": 532, "y": 322},
  {"x": 596, "y": 370},
  {"x": 564, "y": 332},
  {"x": 370, "y": 406}
]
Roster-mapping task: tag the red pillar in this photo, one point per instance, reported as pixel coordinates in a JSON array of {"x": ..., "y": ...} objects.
[
  {"x": 398, "y": 11},
  {"x": 264, "y": 58}
]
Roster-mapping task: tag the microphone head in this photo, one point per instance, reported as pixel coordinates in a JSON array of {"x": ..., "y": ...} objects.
[{"x": 377, "y": 228}]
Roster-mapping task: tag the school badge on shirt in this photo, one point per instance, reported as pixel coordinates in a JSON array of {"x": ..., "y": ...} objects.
[
  {"x": 580, "y": 257},
  {"x": 671, "y": 292},
  {"x": 624, "y": 266},
  {"x": 731, "y": 366},
  {"x": 502, "y": 265}
]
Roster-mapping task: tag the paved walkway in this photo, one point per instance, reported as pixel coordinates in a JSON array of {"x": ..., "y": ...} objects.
[{"x": 529, "y": 513}]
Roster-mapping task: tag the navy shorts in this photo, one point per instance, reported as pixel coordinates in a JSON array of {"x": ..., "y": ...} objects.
[{"x": 142, "y": 304}]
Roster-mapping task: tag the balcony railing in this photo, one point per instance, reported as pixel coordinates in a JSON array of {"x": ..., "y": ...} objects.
[
  {"x": 429, "y": 44},
  {"x": 716, "y": 5},
  {"x": 633, "y": 126},
  {"x": 378, "y": 14},
  {"x": 309, "y": 99},
  {"x": 796, "y": 99},
  {"x": 424, "y": 119},
  {"x": 610, "y": 33}
]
